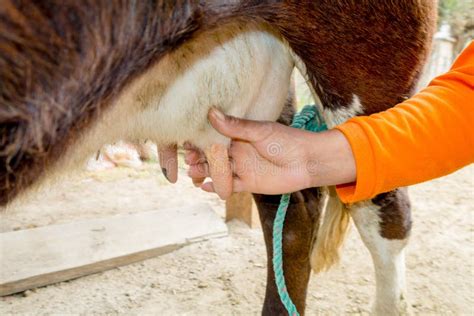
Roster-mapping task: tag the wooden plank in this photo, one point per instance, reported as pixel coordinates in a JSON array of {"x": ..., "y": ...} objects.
[
  {"x": 41, "y": 256},
  {"x": 241, "y": 206}
]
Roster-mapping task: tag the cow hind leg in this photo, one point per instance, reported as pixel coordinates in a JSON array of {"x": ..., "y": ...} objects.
[
  {"x": 301, "y": 221},
  {"x": 384, "y": 224}
]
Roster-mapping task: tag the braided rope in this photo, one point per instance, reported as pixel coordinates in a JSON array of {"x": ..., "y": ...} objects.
[{"x": 309, "y": 119}]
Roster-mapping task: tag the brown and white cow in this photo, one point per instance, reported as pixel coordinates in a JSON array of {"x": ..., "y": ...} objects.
[{"x": 75, "y": 75}]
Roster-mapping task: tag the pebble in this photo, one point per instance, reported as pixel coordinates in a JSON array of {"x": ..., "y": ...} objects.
[{"x": 27, "y": 293}]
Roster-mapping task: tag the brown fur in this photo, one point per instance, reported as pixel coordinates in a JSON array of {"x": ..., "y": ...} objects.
[
  {"x": 374, "y": 49},
  {"x": 62, "y": 63},
  {"x": 394, "y": 214},
  {"x": 303, "y": 214}
]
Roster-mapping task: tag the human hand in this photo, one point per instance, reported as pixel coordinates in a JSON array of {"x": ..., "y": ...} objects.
[{"x": 271, "y": 158}]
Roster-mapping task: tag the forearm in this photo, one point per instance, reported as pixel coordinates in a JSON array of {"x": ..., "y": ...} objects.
[{"x": 330, "y": 160}]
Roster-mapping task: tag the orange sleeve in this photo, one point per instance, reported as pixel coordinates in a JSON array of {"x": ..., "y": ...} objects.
[{"x": 424, "y": 137}]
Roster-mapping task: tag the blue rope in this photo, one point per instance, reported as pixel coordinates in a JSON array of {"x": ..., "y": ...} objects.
[{"x": 309, "y": 119}]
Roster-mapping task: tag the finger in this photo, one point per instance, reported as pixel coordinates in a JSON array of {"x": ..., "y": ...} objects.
[
  {"x": 236, "y": 128},
  {"x": 197, "y": 182},
  {"x": 238, "y": 186},
  {"x": 208, "y": 187},
  {"x": 199, "y": 171},
  {"x": 244, "y": 159},
  {"x": 194, "y": 157},
  {"x": 220, "y": 169},
  {"x": 168, "y": 158}
]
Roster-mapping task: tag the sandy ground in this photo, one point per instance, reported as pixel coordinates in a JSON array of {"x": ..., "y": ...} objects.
[{"x": 226, "y": 276}]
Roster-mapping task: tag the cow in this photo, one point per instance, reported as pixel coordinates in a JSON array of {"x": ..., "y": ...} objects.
[{"x": 75, "y": 75}]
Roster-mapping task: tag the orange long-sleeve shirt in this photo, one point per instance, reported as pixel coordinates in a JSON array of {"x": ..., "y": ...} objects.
[{"x": 424, "y": 137}]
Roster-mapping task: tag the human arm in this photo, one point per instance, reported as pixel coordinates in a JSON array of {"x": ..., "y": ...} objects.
[{"x": 424, "y": 137}]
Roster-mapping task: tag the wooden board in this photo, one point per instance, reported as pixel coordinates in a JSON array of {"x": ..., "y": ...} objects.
[
  {"x": 40, "y": 256},
  {"x": 241, "y": 206}
]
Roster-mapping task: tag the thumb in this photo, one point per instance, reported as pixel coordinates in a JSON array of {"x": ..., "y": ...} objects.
[{"x": 236, "y": 128}]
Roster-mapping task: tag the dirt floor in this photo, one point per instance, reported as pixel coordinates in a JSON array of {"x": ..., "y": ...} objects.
[{"x": 226, "y": 276}]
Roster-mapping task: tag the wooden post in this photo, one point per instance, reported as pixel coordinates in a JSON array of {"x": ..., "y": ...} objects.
[{"x": 241, "y": 206}]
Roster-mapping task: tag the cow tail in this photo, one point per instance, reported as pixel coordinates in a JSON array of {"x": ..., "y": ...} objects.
[{"x": 331, "y": 234}]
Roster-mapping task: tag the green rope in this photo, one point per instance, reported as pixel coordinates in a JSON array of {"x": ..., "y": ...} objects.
[{"x": 309, "y": 119}]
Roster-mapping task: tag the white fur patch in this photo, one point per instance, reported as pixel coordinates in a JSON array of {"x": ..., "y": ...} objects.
[
  {"x": 339, "y": 116},
  {"x": 243, "y": 70},
  {"x": 389, "y": 260}
]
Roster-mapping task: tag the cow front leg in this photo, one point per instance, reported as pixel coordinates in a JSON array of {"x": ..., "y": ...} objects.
[
  {"x": 301, "y": 224},
  {"x": 384, "y": 224}
]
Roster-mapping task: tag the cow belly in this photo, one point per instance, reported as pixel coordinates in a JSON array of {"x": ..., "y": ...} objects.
[
  {"x": 248, "y": 76},
  {"x": 243, "y": 70}
]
